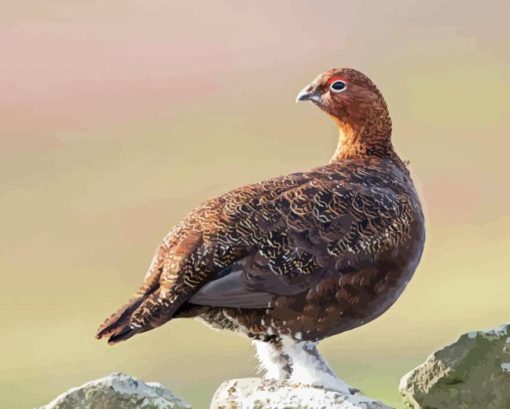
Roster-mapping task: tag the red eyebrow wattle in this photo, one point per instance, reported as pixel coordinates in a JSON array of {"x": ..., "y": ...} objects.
[{"x": 336, "y": 78}]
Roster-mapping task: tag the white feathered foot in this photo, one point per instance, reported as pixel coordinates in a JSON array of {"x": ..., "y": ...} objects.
[{"x": 298, "y": 362}]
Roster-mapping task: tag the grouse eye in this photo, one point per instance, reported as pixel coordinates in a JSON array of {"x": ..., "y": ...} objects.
[{"x": 338, "y": 86}]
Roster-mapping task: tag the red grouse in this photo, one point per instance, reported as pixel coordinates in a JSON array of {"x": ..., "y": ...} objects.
[{"x": 298, "y": 258}]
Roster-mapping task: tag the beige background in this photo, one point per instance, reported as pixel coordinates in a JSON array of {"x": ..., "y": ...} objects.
[{"x": 118, "y": 117}]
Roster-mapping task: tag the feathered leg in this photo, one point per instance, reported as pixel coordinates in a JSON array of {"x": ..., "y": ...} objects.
[
  {"x": 298, "y": 362},
  {"x": 274, "y": 363}
]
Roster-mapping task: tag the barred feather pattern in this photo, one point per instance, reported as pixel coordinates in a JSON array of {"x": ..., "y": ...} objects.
[
  {"x": 333, "y": 247},
  {"x": 298, "y": 226}
]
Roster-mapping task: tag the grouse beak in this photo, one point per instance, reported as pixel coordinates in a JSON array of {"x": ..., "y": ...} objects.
[{"x": 308, "y": 93}]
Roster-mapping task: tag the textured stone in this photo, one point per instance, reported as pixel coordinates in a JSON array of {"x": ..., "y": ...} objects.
[
  {"x": 117, "y": 391},
  {"x": 256, "y": 393},
  {"x": 471, "y": 373}
]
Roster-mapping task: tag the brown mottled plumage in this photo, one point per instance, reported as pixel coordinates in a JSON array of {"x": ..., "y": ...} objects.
[{"x": 299, "y": 257}]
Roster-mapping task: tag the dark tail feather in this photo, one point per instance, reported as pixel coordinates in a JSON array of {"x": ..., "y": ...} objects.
[
  {"x": 126, "y": 333},
  {"x": 117, "y": 326}
]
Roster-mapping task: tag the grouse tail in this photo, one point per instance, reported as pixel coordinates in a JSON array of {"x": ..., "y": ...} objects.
[{"x": 118, "y": 326}]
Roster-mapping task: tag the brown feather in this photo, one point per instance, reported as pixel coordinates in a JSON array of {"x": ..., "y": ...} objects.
[{"x": 330, "y": 249}]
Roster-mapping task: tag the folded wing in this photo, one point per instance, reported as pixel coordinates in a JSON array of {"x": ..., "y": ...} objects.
[{"x": 261, "y": 241}]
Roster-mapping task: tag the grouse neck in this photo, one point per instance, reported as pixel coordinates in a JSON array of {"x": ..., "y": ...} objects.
[{"x": 362, "y": 142}]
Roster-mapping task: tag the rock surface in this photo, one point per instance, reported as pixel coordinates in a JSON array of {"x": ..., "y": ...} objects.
[
  {"x": 256, "y": 393},
  {"x": 472, "y": 373},
  {"x": 117, "y": 391}
]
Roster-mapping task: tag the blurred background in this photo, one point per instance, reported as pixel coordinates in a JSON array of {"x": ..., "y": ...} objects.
[{"x": 119, "y": 117}]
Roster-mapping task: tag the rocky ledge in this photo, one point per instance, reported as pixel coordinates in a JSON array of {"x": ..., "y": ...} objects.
[
  {"x": 117, "y": 391},
  {"x": 471, "y": 373},
  {"x": 256, "y": 393}
]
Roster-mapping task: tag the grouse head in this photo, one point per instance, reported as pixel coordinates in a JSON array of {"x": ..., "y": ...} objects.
[{"x": 356, "y": 105}]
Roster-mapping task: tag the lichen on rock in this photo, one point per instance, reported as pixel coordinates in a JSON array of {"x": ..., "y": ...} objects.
[
  {"x": 256, "y": 393},
  {"x": 471, "y": 373},
  {"x": 118, "y": 391}
]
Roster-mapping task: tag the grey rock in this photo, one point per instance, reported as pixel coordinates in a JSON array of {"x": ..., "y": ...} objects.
[
  {"x": 256, "y": 393},
  {"x": 117, "y": 391},
  {"x": 471, "y": 373}
]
